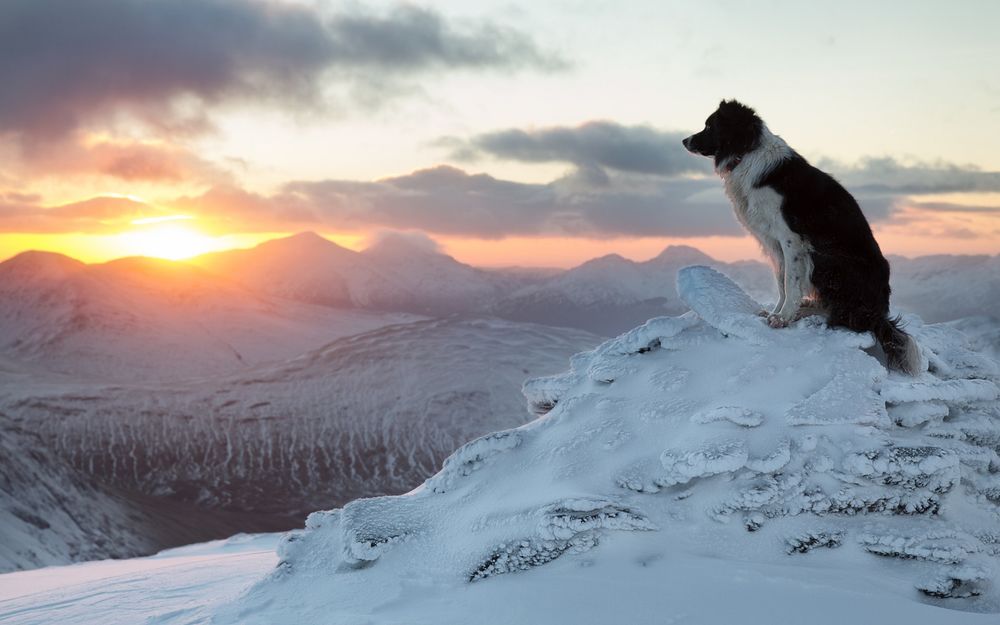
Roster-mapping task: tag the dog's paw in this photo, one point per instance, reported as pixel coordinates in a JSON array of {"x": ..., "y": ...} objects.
[{"x": 777, "y": 321}]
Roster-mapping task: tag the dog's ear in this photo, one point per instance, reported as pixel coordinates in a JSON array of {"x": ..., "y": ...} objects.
[{"x": 740, "y": 127}]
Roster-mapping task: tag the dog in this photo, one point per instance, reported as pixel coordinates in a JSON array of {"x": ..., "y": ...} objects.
[{"x": 825, "y": 257}]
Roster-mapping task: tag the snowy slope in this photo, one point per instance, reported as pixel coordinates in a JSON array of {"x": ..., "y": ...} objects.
[
  {"x": 176, "y": 586},
  {"x": 49, "y": 512},
  {"x": 365, "y": 415},
  {"x": 52, "y": 513},
  {"x": 698, "y": 469},
  {"x": 983, "y": 333},
  {"x": 137, "y": 318},
  {"x": 705, "y": 447}
]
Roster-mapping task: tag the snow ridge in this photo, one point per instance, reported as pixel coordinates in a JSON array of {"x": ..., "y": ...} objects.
[{"x": 707, "y": 433}]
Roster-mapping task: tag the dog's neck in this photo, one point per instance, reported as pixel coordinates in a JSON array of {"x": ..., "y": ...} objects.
[{"x": 758, "y": 162}]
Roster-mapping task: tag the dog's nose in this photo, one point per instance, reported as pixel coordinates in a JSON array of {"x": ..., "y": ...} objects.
[{"x": 686, "y": 142}]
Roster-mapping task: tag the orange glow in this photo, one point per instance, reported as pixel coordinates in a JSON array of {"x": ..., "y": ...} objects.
[
  {"x": 98, "y": 248},
  {"x": 178, "y": 237},
  {"x": 168, "y": 241}
]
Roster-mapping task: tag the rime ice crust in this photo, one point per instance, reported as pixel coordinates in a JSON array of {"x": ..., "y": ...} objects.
[{"x": 708, "y": 432}]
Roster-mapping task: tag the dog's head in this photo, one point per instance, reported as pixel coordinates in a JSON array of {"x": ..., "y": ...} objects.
[{"x": 730, "y": 132}]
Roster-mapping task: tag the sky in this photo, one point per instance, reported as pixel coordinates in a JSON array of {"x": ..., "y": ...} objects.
[{"x": 512, "y": 133}]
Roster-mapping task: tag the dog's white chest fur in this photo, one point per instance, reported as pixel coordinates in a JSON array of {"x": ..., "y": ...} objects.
[{"x": 759, "y": 210}]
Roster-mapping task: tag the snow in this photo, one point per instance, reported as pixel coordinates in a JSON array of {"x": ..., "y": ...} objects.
[
  {"x": 268, "y": 446},
  {"x": 175, "y": 586},
  {"x": 699, "y": 469},
  {"x": 617, "y": 486}
]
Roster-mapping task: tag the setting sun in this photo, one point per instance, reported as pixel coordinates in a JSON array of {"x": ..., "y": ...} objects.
[{"x": 168, "y": 240}]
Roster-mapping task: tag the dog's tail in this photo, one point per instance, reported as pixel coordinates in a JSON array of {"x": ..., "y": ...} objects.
[{"x": 901, "y": 350}]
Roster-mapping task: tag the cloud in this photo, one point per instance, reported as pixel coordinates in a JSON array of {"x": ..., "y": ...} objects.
[
  {"x": 950, "y": 207},
  {"x": 67, "y": 64},
  {"x": 593, "y": 146},
  {"x": 450, "y": 201},
  {"x": 589, "y": 202},
  {"x": 442, "y": 200},
  {"x": 132, "y": 161},
  {"x": 888, "y": 175},
  {"x": 396, "y": 239},
  {"x": 96, "y": 215}
]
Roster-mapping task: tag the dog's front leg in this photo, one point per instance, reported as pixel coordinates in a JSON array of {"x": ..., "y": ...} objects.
[
  {"x": 778, "y": 258},
  {"x": 796, "y": 281}
]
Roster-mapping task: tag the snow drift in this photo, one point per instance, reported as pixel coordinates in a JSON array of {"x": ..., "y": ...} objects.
[{"x": 704, "y": 438}]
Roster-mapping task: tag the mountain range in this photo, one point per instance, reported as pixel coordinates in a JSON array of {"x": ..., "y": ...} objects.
[
  {"x": 148, "y": 403},
  {"x": 605, "y": 295}
]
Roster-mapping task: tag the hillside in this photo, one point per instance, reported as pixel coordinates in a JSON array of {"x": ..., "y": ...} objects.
[
  {"x": 694, "y": 457},
  {"x": 365, "y": 415}
]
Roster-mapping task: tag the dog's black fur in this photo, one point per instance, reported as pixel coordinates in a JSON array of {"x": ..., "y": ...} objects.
[{"x": 850, "y": 276}]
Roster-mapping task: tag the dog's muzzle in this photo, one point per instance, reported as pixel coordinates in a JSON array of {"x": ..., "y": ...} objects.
[{"x": 687, "y": 142}]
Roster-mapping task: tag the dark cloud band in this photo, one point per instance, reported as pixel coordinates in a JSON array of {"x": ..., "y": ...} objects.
[
  {"x": 596, "y": 144},
  {"x": 66, "y": 63}
]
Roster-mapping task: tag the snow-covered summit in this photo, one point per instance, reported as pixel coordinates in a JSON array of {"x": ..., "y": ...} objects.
[{"x": 693, "y": 459}]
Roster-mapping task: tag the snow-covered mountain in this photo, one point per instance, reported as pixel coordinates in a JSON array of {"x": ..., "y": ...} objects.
[
  {"x": 405, "y": 273},
  {"x": 610, "y": 294},
  {"x": 606, "y": 295},
  {"x": 305, "y": 267},
  {"x": 398, "y": 273},
  {"x": 944, "y": 287},
  {"x": 365, "y": 415},
  {"x": 437, "y": 283},
  {"x": 141, "y": 318},
  {"x": 698, "y": 469}
]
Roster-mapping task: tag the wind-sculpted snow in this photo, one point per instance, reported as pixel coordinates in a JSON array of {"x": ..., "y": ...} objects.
[{"x": 708, "y": 434}]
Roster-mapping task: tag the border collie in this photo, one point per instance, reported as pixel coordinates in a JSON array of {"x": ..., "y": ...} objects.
[{"x": 824, "y": 255}]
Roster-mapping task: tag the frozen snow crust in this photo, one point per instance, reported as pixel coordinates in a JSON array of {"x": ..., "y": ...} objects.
[{"x": 708, "y": 433}]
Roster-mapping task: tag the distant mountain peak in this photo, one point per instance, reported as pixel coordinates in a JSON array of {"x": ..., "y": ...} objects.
[
  {"x": 41, "y": 263},
  {"x": 307, "y": 236},
  {"x": 303, "y": 242},
  {"x": 682, "y": 254},
  {"x": 607, "y": 259}
]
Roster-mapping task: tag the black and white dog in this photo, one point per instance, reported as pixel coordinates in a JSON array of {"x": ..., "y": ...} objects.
[{"x": 824, "y": 254}]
